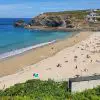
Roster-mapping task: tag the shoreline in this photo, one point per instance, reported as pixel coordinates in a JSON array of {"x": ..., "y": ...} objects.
[
  {"x": 23, "y": 50},
  {"x": 18, "y": 62},
  {"x": 16, "y": 52}
]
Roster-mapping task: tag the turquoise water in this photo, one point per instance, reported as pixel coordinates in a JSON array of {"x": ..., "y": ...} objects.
[{"x": 12, "y": 38}]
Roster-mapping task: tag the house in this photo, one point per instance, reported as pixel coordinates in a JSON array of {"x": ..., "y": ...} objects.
[
  {"x": 92, "y": 16},
  {"x": 80, "y": 84}
]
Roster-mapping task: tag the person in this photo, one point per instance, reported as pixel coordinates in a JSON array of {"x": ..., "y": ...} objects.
[
  {"x": 76, "y": 67},
  {"x": 59, "y": 65},
  {"x": 36, "y": 75}
]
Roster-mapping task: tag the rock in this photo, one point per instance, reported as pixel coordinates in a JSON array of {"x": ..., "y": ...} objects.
[
  {"x": 70, "y": 26},
  {"x": 51, "y": 21},
  {"x": 19, "y": 23},
  {"x": 69, "y": 23}
]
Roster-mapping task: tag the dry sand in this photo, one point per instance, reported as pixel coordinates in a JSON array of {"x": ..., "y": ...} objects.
[{"x": 77, "y": 58}]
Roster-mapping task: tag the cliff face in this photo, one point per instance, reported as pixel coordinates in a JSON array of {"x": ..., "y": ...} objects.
[{"x": 51, "y": 21}]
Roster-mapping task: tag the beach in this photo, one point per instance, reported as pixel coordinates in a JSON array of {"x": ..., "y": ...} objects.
[
  {"x": 75, "y": 56},
  {"x": 15, "y": 63}
]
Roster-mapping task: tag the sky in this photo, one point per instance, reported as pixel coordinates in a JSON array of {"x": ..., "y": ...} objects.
[{"x": 31, "y": 8}]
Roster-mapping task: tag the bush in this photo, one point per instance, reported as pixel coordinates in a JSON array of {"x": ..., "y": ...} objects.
[{"x": 46, "y": 90}]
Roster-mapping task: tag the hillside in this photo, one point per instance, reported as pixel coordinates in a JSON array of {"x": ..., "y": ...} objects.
[
  {"x": 46, "y": 90},
  {"x": 74, "y": 20},
  {"x": 79, "y": 14}
]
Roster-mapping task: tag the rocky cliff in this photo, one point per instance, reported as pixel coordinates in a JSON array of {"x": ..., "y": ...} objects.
[
  {"x": 51, "y": 21},
  {"x": 73, "y": 20}
]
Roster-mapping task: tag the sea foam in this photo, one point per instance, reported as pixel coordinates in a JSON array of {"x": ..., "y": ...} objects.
[{"x": 19, "y": 51}]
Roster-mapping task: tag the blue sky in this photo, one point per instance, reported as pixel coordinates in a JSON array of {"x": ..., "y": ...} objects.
[{"x": 31, "y": 8}]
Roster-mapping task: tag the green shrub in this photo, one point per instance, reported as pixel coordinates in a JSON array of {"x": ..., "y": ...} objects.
[{"x": 46, "y": 90}]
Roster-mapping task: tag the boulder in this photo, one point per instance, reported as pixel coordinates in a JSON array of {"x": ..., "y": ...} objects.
[{"x": 19, "y": 23}]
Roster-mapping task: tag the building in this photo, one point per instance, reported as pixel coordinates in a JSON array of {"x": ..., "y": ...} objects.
[
  {"x": 92, "y": 16},
  {"x": 80, "y": 84}
]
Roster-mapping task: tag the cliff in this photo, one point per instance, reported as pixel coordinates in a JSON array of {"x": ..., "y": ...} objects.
[
  {"x": 51, "y": 21},
  {"x": 67, "y": 20}
]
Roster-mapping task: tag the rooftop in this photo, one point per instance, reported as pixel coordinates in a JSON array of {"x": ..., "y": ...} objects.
[{"x": 85, "y": 78}]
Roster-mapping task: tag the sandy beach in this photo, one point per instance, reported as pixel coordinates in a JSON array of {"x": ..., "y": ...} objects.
[
  {"x": 76, "y": 56},
  {"x": 13, "y": 64}
]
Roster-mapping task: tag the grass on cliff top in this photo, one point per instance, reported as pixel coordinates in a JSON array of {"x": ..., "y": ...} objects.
[
  {"x": 79, "y": 14},
  {"x": 46, "y": 90}
]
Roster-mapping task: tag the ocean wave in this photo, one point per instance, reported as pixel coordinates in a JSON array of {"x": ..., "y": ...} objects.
[{"x": 19, "y": 51}]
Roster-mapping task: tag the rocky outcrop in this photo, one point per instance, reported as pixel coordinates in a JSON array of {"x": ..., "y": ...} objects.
[
  {"x": 43, "y": 20},
  {"x": 51, "y": 21},
  {"x": 19, "y": 23}
]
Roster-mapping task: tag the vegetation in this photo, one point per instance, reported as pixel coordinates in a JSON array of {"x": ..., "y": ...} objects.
[
  {"x": 46, "y": 90},
  {"x": 78, "y": 14}
]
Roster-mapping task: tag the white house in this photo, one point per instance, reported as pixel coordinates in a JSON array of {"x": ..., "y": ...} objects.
[
  {"x": 92, "y": 17},
  {"x": 80, "y": 84}
]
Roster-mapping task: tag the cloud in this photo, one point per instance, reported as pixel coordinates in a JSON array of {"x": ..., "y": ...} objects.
[{"x": 36, "y": 7}]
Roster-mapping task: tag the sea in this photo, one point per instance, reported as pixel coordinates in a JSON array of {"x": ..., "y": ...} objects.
[{"x": 14, "y": 40}]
